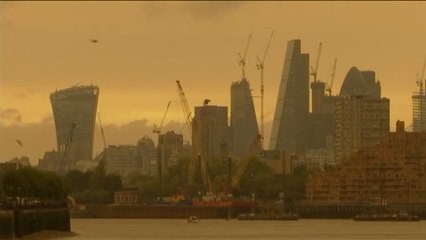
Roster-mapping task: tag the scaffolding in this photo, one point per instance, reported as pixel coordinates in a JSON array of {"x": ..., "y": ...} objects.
[{"x": 419, "y": 111}]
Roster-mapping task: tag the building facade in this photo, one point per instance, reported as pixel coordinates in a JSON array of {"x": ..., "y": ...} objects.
[
  {"x": 360, "y": 122},
  {"x": 419, "y": 111},
  {"x": 244, "y": 128},
  {"x": 74, "y": 112},
  {"x": 210, "y": 137},
  {"x": 361, "y": 114},
  {"x": 391, "y": 172},
  {"x": 122, "y": 160},
  {"x": 292, "y": 108},
  {"x": 148, "y": 154},
  {"x": 170, "y": 145}
]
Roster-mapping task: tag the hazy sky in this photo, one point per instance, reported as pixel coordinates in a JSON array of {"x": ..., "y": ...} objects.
[{"x": 145, "y": 46}]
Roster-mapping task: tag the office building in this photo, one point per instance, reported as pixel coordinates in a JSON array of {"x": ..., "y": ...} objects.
[
  {"x": 74, "y": 112},
  {"x": 244, "y": 126},
  {"x": 210, "y": 137},
  {"x": 292, "y": 108},
  {"x": 361, "y": 115},
  {"x": 169, "y": 148}
]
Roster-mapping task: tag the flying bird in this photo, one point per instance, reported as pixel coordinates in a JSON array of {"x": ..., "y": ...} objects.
[
  {"x": 94, "y": 40},
  {"x": 19, "y": 142}
]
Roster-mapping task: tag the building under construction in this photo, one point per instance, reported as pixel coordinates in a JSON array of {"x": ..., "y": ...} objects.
[
  {"x": 244, "y": 127},
  {"x": 419, "y": 111}
]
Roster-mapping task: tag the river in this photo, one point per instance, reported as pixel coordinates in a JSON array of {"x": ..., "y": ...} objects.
[{"x": 126, "y": 229}]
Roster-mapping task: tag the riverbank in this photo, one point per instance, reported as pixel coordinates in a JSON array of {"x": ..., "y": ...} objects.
[{"x": 17, "y": 223}]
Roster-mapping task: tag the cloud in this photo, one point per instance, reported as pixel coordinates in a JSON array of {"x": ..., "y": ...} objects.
[
  {"x": 10, "y": 116},
  {"x": 40, "y": 137}
]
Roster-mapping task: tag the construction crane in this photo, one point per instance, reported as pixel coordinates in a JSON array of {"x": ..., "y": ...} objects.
[
  {"x": 242, "y": 166},
  {"x": 102, "y": 131},
  {"x": 157, "y": 129},
  {"x": 330, "y": 85},
  {"x": 314, "y": 71},
  {"x": 422, "y": 77},
  {"x": 260, "y": 66},
  {"x": 185, "y": 107},
  {"x": 67, "y": 146},
  {"x": 242, "y": 61}
]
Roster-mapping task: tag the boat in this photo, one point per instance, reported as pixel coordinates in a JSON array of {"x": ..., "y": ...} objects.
[
  {"x": 282, "y": 217},
  {"x": 399, "y": 216},
  {"x": 193, "y": 219}
]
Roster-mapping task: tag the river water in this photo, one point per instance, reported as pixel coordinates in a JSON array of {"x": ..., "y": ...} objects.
[{"x": 126, "y": 229}]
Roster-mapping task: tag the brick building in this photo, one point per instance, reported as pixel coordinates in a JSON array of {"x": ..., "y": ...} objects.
[{"x": 391, "y": 172}]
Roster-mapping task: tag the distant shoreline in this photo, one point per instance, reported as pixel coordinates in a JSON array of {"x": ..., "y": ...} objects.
[{"x": 48, "y": 234}]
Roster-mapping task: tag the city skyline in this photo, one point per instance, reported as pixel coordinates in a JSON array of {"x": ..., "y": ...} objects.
[{"x": 128, "y": 60}]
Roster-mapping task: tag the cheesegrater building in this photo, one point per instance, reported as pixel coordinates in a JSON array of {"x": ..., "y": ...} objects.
[
  {"x": 292, "y": 108},
  {"x": 74, "y": 111}
]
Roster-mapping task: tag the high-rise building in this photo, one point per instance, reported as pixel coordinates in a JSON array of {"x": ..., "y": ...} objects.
[
  {"x": 74, "y": 111},
  {"x": 148, "y": 153},
  {"x": 210, "y": 132},
  {"x": 292, "y": 108},
  {"x": 419, "y": 111},
  {"x": 361, "y": 115},
  {"x": 170, "y": 147},
  {"x": 244, "y": 126}
]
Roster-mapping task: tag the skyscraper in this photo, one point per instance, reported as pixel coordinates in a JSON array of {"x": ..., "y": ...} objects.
[
  {"x": 419, "y": 111},
  {"x": 361, "y": 115},
  {"x": 210, "y": 132},
  {"x": 244, "y": 126},
  {"x": 74, "y": 112},
  {"x": 292, "y": 108}
]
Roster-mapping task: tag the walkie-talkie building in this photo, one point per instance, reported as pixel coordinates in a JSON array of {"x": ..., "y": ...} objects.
[{"x": 74, "y": 110}]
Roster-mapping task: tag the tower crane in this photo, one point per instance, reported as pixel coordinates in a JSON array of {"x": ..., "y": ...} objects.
[
  {"x": 242, "y": 61},
  {"x": 260, "y": 66},
  {"x": 66, "y": 147},
  {"x": 102, "y": 131},
  {"x": 185, "y": 108},
  {"x": 422, "y": 78},
  {"x": 330, "y": 85},
  {"x": 157, "y": 129},
  {"x": 314, "y": 71},
  {"x": 242, "y": 166}
]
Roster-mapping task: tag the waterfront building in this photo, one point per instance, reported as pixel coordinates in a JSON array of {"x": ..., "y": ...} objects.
[
  {"x": 390, "y": 172},
  {"x": 319, "y": 158},
  {"x": 210, "y": 137},
  {"x": 74, "y": 112},
  {"x": 244, "y": 126},
  {"x": 126, "y": 196},
  {"x": 292, "y": 108}
]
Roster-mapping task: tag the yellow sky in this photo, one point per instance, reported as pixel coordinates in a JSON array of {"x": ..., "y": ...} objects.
[{"x": 145, "y": 46}]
